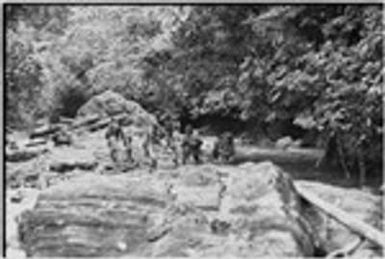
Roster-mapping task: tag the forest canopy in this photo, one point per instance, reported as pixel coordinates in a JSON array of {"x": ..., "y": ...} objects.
[{"x": 315, "y": 66}]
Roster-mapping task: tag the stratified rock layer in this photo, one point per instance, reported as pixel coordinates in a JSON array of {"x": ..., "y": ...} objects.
[
  {"x": 207, "y": 210},
  {"x": 110, "y": 103},
  {"x": 92, "y": 216}
]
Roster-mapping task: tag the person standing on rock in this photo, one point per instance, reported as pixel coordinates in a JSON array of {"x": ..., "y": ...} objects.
[
  {"x": 114, "y": 135},
  {"x": 224, "y": 150},
  {"x": 127, "y": 141},
  {"x": 170, "y": 131},
  {"x": 191, "y": 146},
  {"x": 148, "y": 148}
]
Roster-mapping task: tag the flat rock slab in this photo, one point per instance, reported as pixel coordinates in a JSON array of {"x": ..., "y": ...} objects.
[
  {"x": 259, "y": 215},
  {"x": 247, "y": 211}
]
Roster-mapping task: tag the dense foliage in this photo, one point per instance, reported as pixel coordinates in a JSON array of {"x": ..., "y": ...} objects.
[{"x": 316, "y": 66}]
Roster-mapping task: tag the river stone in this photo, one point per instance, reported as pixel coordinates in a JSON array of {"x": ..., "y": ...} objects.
[{"x": 93, "y": 215}]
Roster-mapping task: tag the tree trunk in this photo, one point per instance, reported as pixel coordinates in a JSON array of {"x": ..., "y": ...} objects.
[
  {"x": 341, "y": 158},
  {"x": 357, "y": 226},
  {"x": 362, "y": 167},
  {"x": 330, "y": 156}
]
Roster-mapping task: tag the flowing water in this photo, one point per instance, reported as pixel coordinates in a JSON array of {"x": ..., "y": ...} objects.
[{"x": 300, "y": 163}]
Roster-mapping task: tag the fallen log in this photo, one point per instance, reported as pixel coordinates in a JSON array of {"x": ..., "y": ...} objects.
[
  {"x": 22, "y": 155},
  {"x": 44, "y": 131},
  {"x": 99, "y": 125},
  {"x": 36, "y": 142},
  {"x": 66, "y": 120},
  {"x": 103, "y": 122},
  {"x": 357, "y": 226},
  {"x": 84, "y": 121}
]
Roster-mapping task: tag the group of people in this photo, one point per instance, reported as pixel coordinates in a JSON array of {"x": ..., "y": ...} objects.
[{"x": 188, "y": 147}]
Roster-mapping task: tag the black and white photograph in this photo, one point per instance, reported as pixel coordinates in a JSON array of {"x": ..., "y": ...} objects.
[{"x": 238, "y": 130}]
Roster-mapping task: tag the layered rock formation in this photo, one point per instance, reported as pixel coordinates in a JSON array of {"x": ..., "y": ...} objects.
[
  {"x": 110, "y": 103},
  {"x": 207, "y": 210}
]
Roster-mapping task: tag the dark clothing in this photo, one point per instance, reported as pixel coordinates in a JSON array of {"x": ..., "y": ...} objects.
[
  {"x": 169, "y": 128},
  {"x": 191, "y": 146},
  {"x": 62, "y": 138},
  {"x": 113, "y": 135},
  {"x": 224, "y": 149},
  {"x": 146, "y": 144},
  {"x": 115, "y": 131},
  {"x": 127, "y": 141}
]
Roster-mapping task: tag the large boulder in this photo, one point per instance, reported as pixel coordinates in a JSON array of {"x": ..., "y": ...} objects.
[
  {"x": 93, "y": 215},
  {"x": 110, "y": 103},
  {"x": 207, "y": 210},
  {"x": 250, "y": 210},
  {"x": 259, "y": 214},
  {"x": 264, "y": 210}
]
